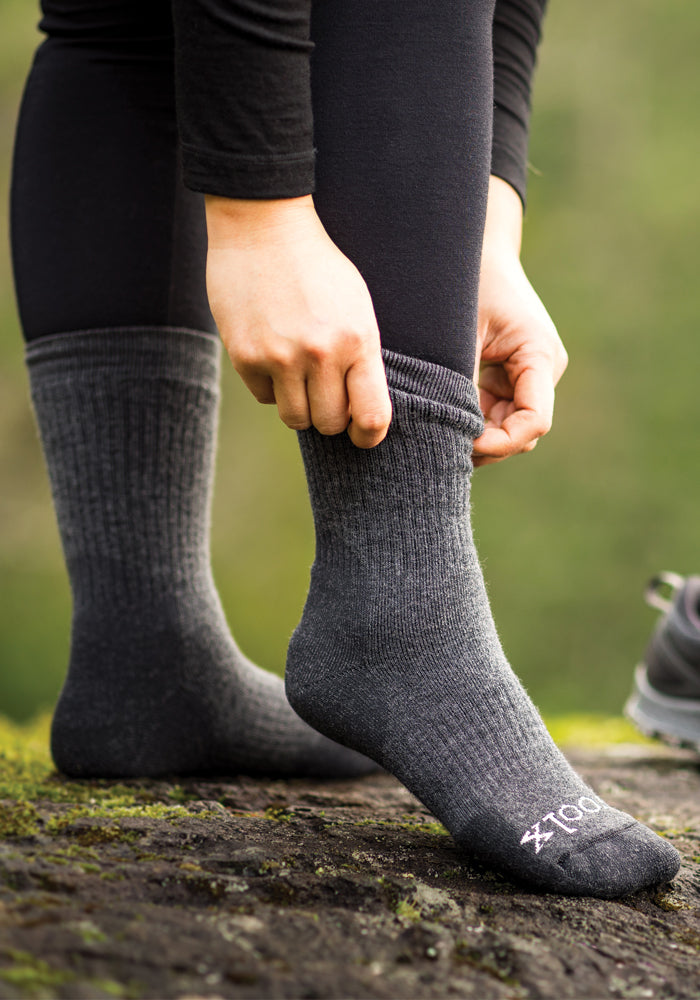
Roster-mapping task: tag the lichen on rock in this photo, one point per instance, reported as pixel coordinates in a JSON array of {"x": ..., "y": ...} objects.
[{"x": 240, "y": 887}]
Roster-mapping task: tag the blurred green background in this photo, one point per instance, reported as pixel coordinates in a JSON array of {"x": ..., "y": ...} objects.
[{"x": 569, "y": 534}]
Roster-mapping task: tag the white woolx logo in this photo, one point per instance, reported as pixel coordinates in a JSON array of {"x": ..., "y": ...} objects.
[{"x": 566, "y": 814}]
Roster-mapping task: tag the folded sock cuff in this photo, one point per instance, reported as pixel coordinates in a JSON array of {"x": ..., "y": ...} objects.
[
  {"x": 170, "y": 353},
  {"x": 433, "y": 392}
]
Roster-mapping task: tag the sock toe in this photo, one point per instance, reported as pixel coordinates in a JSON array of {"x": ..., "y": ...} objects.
[{"x": 621, "y": 863}]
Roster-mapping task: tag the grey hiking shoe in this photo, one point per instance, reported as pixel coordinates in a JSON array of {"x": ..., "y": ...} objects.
[{"x": 665, "y": 699}]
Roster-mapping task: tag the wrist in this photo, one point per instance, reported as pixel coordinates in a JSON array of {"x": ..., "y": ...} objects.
[
  {"x": 504, "y": 223},
  {"x": 251, "y": 222}
]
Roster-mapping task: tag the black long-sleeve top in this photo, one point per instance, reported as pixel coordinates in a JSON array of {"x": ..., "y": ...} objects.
[{"x": 244, "y": 97}]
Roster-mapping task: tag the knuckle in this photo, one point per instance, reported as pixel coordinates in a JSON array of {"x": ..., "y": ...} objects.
[
  {"x": 280, "y": 356},
  {"x": 330, "y": 427},
  {"x": 363, "y": 441},
  {"x": 318, "y": 352},
  {"x": 374, "y": 421},
  {"x": 356, "y": 341},
  {"x": 244, "y": 357},
  {"x": 263, "y": 394},
  {"x": 296, "y": 421}
]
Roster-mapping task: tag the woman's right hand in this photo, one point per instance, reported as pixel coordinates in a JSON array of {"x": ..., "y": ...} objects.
[{"x": 296, "y": 317}]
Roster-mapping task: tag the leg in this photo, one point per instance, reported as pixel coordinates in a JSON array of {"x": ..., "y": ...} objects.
[
  {"x": 397, "y": 654},
  {"x": 402, "y": 121},
  {"x": 109, "y": 262},
  {"x": 104, "y": 234}
]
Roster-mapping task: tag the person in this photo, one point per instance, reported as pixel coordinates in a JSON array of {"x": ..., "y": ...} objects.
[
  {"x": 355, "y": 158},
  {"x": 665, "y": 697}
]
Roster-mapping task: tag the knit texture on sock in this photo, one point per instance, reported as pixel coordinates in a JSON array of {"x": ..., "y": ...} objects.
[
  {"x": 397, "y": 655},
  {"x": 155, "y": 682}
]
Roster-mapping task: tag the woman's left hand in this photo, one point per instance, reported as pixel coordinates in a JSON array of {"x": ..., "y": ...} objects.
[{"x": 520, "y": 357}]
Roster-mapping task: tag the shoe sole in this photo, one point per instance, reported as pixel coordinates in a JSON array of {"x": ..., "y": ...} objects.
[{"x": 676, "y": 721}]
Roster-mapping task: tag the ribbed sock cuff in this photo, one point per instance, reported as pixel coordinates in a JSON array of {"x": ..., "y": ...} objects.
[
  {"x": 433, "y": 392},
  {"x": 139, "y": 352}
]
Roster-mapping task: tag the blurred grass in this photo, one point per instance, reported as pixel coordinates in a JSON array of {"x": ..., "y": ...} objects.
[{"x": 569, "y": 534}]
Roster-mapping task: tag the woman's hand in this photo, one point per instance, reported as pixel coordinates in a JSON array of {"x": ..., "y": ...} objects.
[
  {"x": 296, "y": 317},
  {"x": 520, "y": 357}
]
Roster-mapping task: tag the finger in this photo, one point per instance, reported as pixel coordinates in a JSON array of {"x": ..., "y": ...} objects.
[
  {"x": 529, "y": 417},
  {"x": 533, "y": 399},
  {"x": 494, "y": 380},
  {"x": 260, "y": 386},
  {"x": 515, "y": 436},
  {"x": 292, "y": 402},
  {"x": 477, "y": 360},
  {"x": 486, "y": 459},
  {"x": 328, "y": 400},
  {"x": 370, "y": 405},
  {"x": 478, "y": 461}
]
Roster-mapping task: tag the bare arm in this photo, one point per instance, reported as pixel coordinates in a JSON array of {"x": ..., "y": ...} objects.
[{"x": 520, "y": 357}]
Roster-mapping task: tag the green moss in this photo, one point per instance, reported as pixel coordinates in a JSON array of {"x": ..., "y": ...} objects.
[
  {"x": 18, "y": 819},
  {"x": 278, "y": 814},
  {"x": 417, "y": 826},
  {"x": 79, "y": 851},
  {"x": 178, "y": 794},
  {"x": 27, "y": 772},
  {"x": 112, "y": 811},
  {"x": 89, "y": 869},
  {"x": 33, "y": 977},
  {"x": 88, "y": 932},
  {"x": 189, "y": 866},
  {"x": 669, "y": 902},
  {"x": 272, "y": 865},
  {"x": 407, "y": 912},
  {"x": 87, "y": 836},
  {"x": 430, "y": 826},
  {"x": 127, "y": 991}
]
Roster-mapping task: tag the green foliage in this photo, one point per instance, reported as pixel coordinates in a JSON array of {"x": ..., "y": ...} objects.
[{"x": 568, "y": 534}]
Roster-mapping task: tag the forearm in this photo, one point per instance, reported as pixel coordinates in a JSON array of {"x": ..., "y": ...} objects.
[{"x": 504, "y": 223}]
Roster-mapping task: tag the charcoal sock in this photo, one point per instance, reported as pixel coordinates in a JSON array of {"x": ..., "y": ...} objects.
[
  {"x": 155, "y": 683},
  {"x": 397, "y": 655}
]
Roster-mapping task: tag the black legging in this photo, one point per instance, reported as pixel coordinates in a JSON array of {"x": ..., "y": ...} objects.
[{"x": 105, "y": 234}]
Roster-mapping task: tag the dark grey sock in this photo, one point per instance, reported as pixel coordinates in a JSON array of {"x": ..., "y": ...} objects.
[
  {"x": 397, "y": 655},
  {"x": 155, "y": 683}
]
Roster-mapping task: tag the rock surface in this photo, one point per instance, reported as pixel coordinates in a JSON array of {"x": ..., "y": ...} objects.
[{"x": 259, "y": 889}]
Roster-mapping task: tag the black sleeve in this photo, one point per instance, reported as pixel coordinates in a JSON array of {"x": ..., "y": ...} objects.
[
  {"x": 516, "y": 34},
  {"x": 242, "y": 78}
]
